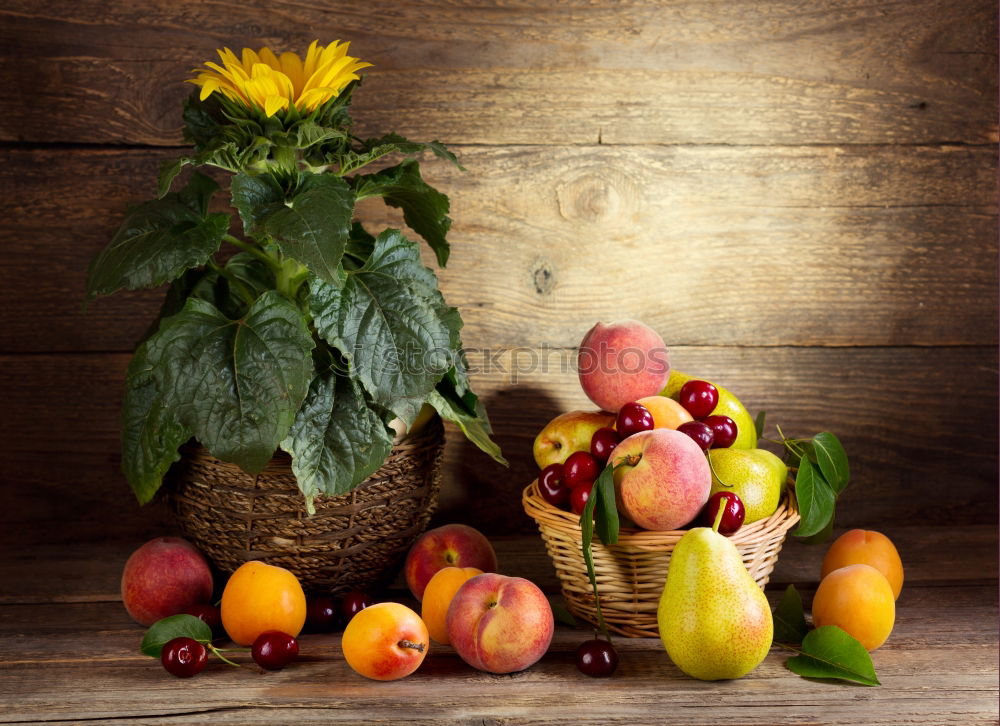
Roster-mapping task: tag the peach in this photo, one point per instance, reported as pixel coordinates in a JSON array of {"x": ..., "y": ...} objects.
[
  {"x": 453, "y": 545},
  {"x": 438, "y": 596},
  {"x": 385, "y": 642},
  {"x": 857, "y": 599},
  {"x": 622, "y": 362},
  {"x": 567, "y": 433},
  {"x": 662, "y": 478},
  {"x": 500, "y": 624},
  {"x": 165, "y": 576},
  {"x": 860, "y": 547},
  {"x": 667, "y": 413}
]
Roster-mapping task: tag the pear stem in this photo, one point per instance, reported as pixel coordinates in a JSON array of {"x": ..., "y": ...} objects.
[{"x": 718, "y": 517}]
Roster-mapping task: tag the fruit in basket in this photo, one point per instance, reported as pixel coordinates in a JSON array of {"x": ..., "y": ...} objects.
[
  {"x": 552, "y": 487},
  {"x": 666, "y": 412},
  {"x": 700, "y": 432},
  {"x": 602, "y": 443},
  {"x": 861, "y": 547},
  {"x": 662, "y": 479},
  {"x": 622, "y": 362},
  {"x": 580, "y": 468},
  {"x": 451, "y": 545},
  {"x": 164, "y": 577},
  {"x": 728, "y": 405},
  {"x": 578, "y": 497},
  {"x": 859, "y": 600},
  {"x": 753, "y": 475},
  {"x": 733, "y": 512},
  {"x": 500, "y": 624},
  {"x": 714, "y": 620},
  {"x": 566, "y": 433},
  {"x": 385, "y": 642},
  {"x": 632, "y": 418},
  {"x": 699, "y": 398},
  {"x": 438, "y": 596},
  {"x": 260, "y": 597},
  {"x": 724, "y": 431}
]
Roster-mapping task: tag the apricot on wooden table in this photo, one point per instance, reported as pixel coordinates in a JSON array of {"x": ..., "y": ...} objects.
[
  {"x": 261, "y": 597},
  {"x": 385, "y": 641},
  {"x": 864, "y": 547},
  {"x": 857, "y": 599},
  {"x": 437, "y": 597}
]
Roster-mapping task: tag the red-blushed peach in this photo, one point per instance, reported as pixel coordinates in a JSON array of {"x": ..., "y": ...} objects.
[
  {"x": 622, "y": 362},
  {"x": 451, "y": 545},
  {"x": 385, "y": 641},
  {"x": 662, "y": 478},
  {"x": 164, "y": 577},
  {"x": 863, "y": 547},
  {"x": 500, "y": 624},
  {"x": 568, "y": 433}
]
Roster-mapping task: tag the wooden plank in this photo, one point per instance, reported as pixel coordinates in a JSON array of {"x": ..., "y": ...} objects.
[
  {"x": 910, "y": 419},
  {"x": 530, "y": 72},
  {"x": 712, "y": 246},
  {"x": 928, "y": 677}
]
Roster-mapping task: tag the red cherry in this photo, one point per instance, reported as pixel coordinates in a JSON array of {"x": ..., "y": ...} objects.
[
  {"x": 321, "y": 614},
  {"x": 699, "y": 398},
  {"x": 732, "y": 517},
  {"x": 578, "y": 497},
  {"x": 633, "y": 418},
  {"x": 274, "y": 650},
  {"x": 184, "y": 657},
  {"x": 580, "y": 468},
  {"x": 209, "y": 614},
  {"x": 700, "y": 431},
  {"x": 352, "y": 603},
  {"x": 725, "y": 431},
  {"x": 552, "y": 487},
  {"x": 602, "y": 443},
  {"x": 596, "y": 658}
]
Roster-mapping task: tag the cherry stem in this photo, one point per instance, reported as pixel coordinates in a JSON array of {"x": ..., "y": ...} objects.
[
  {"x": 715, "y": 473},
  {"x": 419, "y": 647}
]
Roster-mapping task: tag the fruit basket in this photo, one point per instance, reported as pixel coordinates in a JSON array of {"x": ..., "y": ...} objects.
[
  {"x": 354, "y": 540},
  {"x": 631, "y": 573}
]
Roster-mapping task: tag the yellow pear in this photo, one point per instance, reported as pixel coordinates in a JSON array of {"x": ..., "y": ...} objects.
[
  {"x": 755, "y": 475},
  {"x": 728, "y": 405},
  {"x": 714, "y": 620}
]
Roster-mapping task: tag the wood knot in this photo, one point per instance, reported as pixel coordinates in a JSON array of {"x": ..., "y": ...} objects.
[
  {"x": 604, "y": 197},
  {"x": 543, "y": 276}
]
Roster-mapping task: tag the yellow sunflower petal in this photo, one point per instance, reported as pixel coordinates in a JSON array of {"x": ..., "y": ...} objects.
[
  {"x": 312, "y": 55},
  {"x": 273, "y": 104},
  {"x": 291, "y": 66},
  {"x": 268, "y": 56}
]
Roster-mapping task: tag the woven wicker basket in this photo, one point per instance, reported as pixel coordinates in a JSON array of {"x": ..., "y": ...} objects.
[
  {"x": 630, "y": 574},
  {"x": 354, "y": 540}
]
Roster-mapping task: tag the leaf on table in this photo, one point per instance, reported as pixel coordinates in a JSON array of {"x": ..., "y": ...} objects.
[
  {"x": 829, "y": 652},
  {"x": 815, "y": 499},
  {"x": 789, "y": 618},
  {"x": 176, "y": 626},
  {"x": 832, "y": 460}
]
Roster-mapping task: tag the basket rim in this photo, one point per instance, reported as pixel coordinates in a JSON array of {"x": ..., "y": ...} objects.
[{"x": 548, "y": 516}]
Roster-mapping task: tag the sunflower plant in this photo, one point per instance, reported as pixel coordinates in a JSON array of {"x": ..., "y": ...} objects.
[{"x": 304, "y": 331}]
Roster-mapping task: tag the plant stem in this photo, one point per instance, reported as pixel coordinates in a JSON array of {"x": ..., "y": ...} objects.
[
  {"x": 234, "y": 282},
  {"x": 253, "y": 250},
  {"x": 290, "y": 275}
]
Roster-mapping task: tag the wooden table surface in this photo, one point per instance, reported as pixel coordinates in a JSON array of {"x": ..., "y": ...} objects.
[{"x": 70, "y": 653}]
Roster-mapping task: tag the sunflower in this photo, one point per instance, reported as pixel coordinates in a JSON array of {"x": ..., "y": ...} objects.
[{"x": 265, "y": 81}]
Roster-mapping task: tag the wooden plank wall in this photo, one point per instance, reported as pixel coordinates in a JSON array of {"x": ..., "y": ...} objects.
[{"x": 800, "y": 196}]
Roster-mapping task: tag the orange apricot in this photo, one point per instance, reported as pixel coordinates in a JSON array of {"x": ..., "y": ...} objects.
[
  {"x": 437, "y": 597},
  {"x": 861, "y": 547},
  {"x": 385, "y": 641},
  {"x": 667, "y": 413},
  {"x": 857, "y": 599},
  {"x": 260, "y": 597}
]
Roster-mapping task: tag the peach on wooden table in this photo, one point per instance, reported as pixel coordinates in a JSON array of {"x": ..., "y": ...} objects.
[
  {"x": 451, "y": 545},
  {"x": 163, "y": 577},
  {"x": 865, "y": 547},
  {"x": 385, "y": 641},
  {"x": 438, "y": 596}
]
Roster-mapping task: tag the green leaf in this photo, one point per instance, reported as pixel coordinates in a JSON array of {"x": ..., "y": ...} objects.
[
  {"x": 758, "y": 423},
  {"x": 815, "y": 498},
  {"x": 605, "y": 509},
  {"x": 832, "y": 460},
  {"x": 475, "y": 426},
  {"x": 789, "y": 618},
  {"x": 159, "y": 240},
  {"x": 425, "y": 209},
  {"x": 176, "y": 626},
  {"x": 168, "y": 172},
  {"x": 406, "y": 146},
  {"x": 561, "y": 613},
  {"x": 237, "y": 384},
  {"x": 829, "y": 652},
  {"x": 312, "y": 226},
  {"x": 337, "y": 440},
  {"x": 820, "y": 537},
  {"x": 387, "y": 322},
  {"x": 592, "y": 511},
  {"x": 151, "y": 434}
]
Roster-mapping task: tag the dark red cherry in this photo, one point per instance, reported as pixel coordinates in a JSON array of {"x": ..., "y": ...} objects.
[
  {"x": 184, "y": 657},
  {"x": 597, "y": 658},
  {"x": 700, "y": 431},
  {"x": 273, "y": 650},
  {"x": 732, "y": 517},
  {"x": 321, "y": 614},
  {"x": 602, "y": 443},
  {"x": 353, "y": 602},
  {"x": 699, "y": 398},
  {"x": 552, "y": 487},
  {"x": 725, "y": 431},
  {"x": 209, "y": 614},
  {"x": 580, "y": 468},
  {"x": 633, "y": 418},
  {"x": 578, "y": 497}
]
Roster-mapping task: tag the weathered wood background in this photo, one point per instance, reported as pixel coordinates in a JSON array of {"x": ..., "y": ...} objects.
[{"x": 800, "y": 196}]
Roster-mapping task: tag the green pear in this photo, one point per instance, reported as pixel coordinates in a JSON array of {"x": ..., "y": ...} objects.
[
  {"x": 756, "y": 476},
  {"x": 714, "y": 619},
  {"x": 728, "y": 405}
]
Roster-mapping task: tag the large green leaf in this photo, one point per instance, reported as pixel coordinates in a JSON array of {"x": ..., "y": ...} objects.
[
  {"x": 455, "y": 401},
  {"x": 237, "y": 384},
  {"x": 312, "y": 226},
  {"x": 386, "y": 322},
  {"x": 829, "y": 652},
  {"x": 815, "y": 499},
  {"x": 151, "y": 433},
  {"x": 159, "y": 240},
  {"x": 337, "y": 440},
  {"x": 832, "y": 460},
  {"x": 425, "y": 209}
]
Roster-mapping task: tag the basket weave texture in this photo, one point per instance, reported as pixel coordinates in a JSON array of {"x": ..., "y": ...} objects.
[
  {"x": 354, "y": 540},
  {"x": 631, "y": 573}
]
